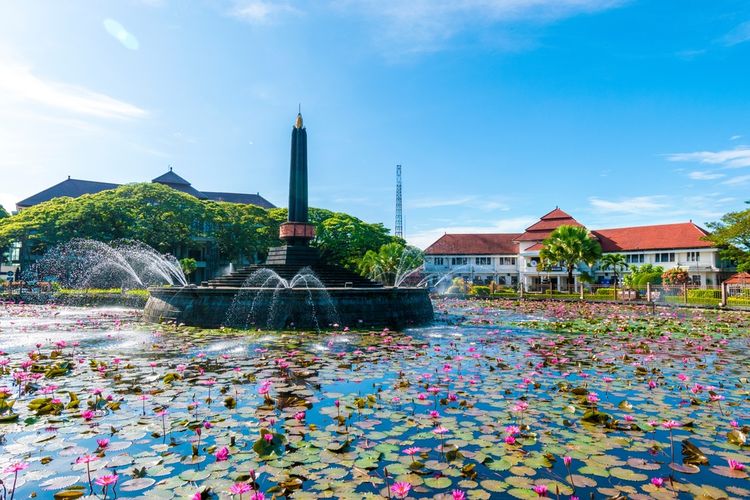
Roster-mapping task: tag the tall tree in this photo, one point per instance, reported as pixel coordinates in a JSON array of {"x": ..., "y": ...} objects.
[
  {"x": 392, "y": 262},
  {"x": 614, "y": 261},
  {"x": 732, "y": 234},
  {"x": 570, "y": 246}
]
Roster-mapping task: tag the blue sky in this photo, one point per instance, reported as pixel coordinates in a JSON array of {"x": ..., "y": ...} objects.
[{"x": 620, "y": 112}]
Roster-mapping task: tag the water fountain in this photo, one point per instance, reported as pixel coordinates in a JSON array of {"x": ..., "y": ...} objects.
[
  {"x": 297, "y": 286},
  {"x": 83, "y": 263}
]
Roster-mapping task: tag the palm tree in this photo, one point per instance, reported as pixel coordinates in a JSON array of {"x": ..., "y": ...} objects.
[
  {"x": 390, "y": 263},
  {"x": 614, "y": 261},
  {"x": 568, "y": 246}
]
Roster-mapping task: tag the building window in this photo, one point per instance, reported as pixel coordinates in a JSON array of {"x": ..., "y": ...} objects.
[
  {"x": 483, "y": 261},
  {"x": 459, "y": 261},
  {"x": 694, "y": 256},
  {"x": 665, "y": 257},
  {"x": 438, "y": 261},
  {"x": 507, "y": 261},
  {"x": 696, "y": 279},
  {"x": 637, "y": 258}
]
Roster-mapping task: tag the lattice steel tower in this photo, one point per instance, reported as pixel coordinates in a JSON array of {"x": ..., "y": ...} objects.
[{"x": 399, "y": 209}]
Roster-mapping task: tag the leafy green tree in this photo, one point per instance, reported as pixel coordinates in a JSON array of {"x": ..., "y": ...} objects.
[
  {"x": 569, "y": 246},
  {"x": 390, "y": 263},
  {"x": 3, "y": 213},
  {"x": 732, "y": 234},
  {"x": 188, "y": 265},
  {"x": 639, "y": 276},
  {"x": 172, "y": 221},
  {"x": 243, "y": 231},
  {"x": 344, "y": 239},
  {"x": 614, "y": 261}
]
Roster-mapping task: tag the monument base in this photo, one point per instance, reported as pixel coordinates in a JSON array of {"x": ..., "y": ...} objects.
[{"x": 289, "y": 255}]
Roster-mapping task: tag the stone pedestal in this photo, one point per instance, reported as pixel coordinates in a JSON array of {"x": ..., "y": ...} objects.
[{"x": 289, "y": 255}]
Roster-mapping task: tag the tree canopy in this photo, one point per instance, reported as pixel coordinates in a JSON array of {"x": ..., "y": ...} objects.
[
  {"x": 391, "y": 263},
  {"x": 732, "y": 234},
  {"x": 614, "y": 261},
  {"x": 569, "y": 246},
  {"x": 639, "y": 276},
  {"x": 167, "y": 219}
]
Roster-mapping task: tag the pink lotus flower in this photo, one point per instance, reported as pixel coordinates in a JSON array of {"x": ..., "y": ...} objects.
[
  {"x": 102, "y": 443},
  {"x": 567, "y": 460},
  {"x": 512, "y": 430},
  {"x": 268, "y": 437},
  {"x": 401, "y": 489},
  {"x": 592, "y": 397},
  {"x": 440, "y": 430},
  {"x": 540, "y": 490},
  {"x": 434, "y": 414},
  {"x": 222, "y": 455},
  {"x": 299, "y": 416},
  {"x": 510, "y": 440},
  {"x": 735, "y": 465},
  {"x": 657, "y": 481},
  {"x": 239, "y": 488},
  {"x": 458, "y": 495},
  {"x": 107, "y": 480},
  {"x": 87, "y": 459},
  {"x": 258, "y": 495},
  {"x": 87, "y": 415},
  {"x": 16, "y": 468},
  {"x": 412, "y": 451},
  {"x": 670, "y": 424}
]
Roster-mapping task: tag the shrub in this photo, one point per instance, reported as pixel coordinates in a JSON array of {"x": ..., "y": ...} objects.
[
  {"x": 704, "y": 294},
  {"x": 479, "y": 291},
  {"x": 607, "y": 292},
  {"x": 738, "y": 301}
]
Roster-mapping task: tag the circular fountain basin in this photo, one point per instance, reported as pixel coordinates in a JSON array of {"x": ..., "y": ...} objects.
[{"x": 213, "y": 307}]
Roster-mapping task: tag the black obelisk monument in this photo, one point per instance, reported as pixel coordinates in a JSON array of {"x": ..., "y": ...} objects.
[{"x": 297, "y": 231}]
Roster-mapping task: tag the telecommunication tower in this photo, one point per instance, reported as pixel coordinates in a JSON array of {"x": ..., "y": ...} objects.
[{"x": 399, "y": 209}]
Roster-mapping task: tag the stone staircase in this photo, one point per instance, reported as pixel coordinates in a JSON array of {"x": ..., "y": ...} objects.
[{"x": 330, "y": 276}]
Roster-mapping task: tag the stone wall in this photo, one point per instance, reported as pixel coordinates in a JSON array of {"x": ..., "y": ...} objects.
[{"x": 290, "y": 308}]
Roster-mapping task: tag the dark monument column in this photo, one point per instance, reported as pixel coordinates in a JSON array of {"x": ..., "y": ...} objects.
[{"x": 297, "y": 231}]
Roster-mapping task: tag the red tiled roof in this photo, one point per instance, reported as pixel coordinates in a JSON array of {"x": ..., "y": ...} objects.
[
  {"x": 548, "y": 223},
  {"x": 535, "y": 247},
  {"x": 474, "y": 244},
  {"x": 742, "y": 278},
  {"x": 556, "y": 214},
  {"x": 659, "y": 237}
]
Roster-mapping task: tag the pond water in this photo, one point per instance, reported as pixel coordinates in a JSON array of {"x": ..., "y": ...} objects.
[{"x": 487, "y": 403}]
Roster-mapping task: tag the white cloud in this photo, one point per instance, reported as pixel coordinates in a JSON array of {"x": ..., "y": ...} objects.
[
  {"x": 474, "y": 202},
  {"x": 634, "y": 205},
  {"x": 737, "y": 181},
  {"x": 119, "y": 33},
  {"x": 261, "y": 11},
  {"x": 738, "y": 35},
  {"x": 18, "y": 82},
  {"x": 8, "y": 200},
  {"x": 729, "y": 158},
  {"x": 735, "y": 137},
  {"x": 424, "y": 25},
  {"x": 699, "y": 175},
  {"x": 427, "y": 237}
]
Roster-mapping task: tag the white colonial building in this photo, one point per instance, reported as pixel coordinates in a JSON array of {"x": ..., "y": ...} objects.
[{"x": 511, "y": 259}]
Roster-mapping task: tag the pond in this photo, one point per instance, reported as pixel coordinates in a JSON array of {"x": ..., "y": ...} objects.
[{"x": 496, "y": 400}]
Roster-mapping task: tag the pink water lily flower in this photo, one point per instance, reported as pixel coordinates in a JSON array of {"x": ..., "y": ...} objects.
[
  {"x": 540, "y": 490},
  {"x": 401, "y": 489},
  {"x": 222, "y": 455},
  {"x": 735, "y": 465},
  {"x": 107, "y": 480}
]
